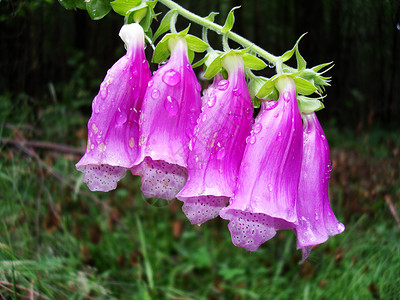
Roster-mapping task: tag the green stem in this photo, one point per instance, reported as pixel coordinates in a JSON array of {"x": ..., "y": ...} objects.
[{"x": 218, "y": 29}]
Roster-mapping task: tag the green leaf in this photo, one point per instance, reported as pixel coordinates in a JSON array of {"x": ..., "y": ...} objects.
[
  {"x": 309, "y": 105},
  {"x": 97, "y": 9},
  {"x": 254, "y": 86},
  {"x": 211, "y": 16},
  {"x": 121, "y": 7},
  {"x": 301, "y": 63},
  {"x": 252, "y": 62},
  {"x": 303, "y": 86},
  {"x": 162, "y": 51},
  {"x": 190, "y": 55},
  {"x": 288, "y": 54},
  {"x": 200, "y": 62},
  {"x": 267, "y": 88},
  {"x": 230, "y": 20},
  {"x": 164, "y": 24},
  {"x": 321, "y": 66},
  {"x": 146, "y": 21},
  {"x": 196, "y": 44},
  {"x": 185, "y": 31},
  {"x": 214, "y": 67},
  {"x": 73, "y": 4}
]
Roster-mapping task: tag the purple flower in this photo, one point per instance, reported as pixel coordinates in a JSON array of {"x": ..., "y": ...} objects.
[
  {"x": 316, "y": 221},
  {"x": 267, "y": 187},
  {"x": 218, "y": 144},
  {"x": 113, "y": 126},
  {"x": 170, "y": 109}
]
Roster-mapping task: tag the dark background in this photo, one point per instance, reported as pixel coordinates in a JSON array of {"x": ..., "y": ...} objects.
[{"x": 41, "y": 43}]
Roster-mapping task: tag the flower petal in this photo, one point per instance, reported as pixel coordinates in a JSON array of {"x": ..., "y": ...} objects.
[
  {"x": 218, "y": 144},
  {"x": 112, "y": 128},
  {"x": 270, "y": 169},
  {"x": 170, "y": 109},
  {"x": 316, "y": 219}
]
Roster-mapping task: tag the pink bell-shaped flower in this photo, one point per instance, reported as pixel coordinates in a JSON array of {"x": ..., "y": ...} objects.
[
  {"x": 170, "y": 109},
  {"x": 217, "y": 146},
  {"x": 267, "y": 187},
  {"x": 316, "y": 221},
  {"x": 113, "y": 127}
]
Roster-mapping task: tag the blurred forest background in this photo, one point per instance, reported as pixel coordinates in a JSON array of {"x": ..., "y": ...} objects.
[{"x": 60, "y": 241}]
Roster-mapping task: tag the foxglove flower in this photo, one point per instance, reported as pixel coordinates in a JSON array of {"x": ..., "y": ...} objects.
[
  {"x": 170, "y": 109},
  {"x": 267, "y": 188},
  {"x": 218, "y": 144},
  {"x": 113, "y": 127},
  {"x": 316, "y": 221}
]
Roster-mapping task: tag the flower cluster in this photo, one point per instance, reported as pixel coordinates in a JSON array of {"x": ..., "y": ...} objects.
[{"x": 262, "y": 175}]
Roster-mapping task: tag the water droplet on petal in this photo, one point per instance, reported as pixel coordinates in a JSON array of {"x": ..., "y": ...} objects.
[
  {"x": 252, "y": 139},
  {"x": 121, "y": 118},
  {"x": 131, "y": 142},
  {"x": 102, "y": 147},
  {"x": 221, "y": 153},
  {"x": 155, "y": 94},
  {"x": 271, "y": 104},
  {"x": 237, "y": 91},
  {"x": 142, "y": 140},
  {"x": 340, "y": 227},
  {"x": 322, "y": 136},
  {"x": 103, "y": 91},
  {"x": 211, "y": 101},
  {"x": 223, "y": 85},
  {"x": 286, "y": 97},
  {"x": 150, "y": 83},
  {"x": 171, "y": 106},
  {"x": 270, "y": 187},
  {"x": 171, "y": 77},
  {"x": 198, "y": 86},
  {"x": 95, "y": 129},
  {"x": 279, "y": 137},
  {"x": 188, "y": 66},
  {"x": 257, "y": 128}
]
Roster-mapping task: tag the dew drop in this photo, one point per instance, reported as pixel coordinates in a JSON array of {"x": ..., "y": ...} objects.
[
  {"x": 286, "y": 97},
  {"x": 270, "y": 104},
  {"x": 102, "y": 147},
  {"x": 223, "y": 85},
  {"x": 171, "y": 77},
  {"x": 198, "y": 86},
  {"x": 340, "y": 227},
  {"x": 150, "y": 83},
  {"x": 252, "y": 139},
  {"x": 276, "y": 115},
  {"x": 95, "y": 129},
  {"x": 257, "y": 128},
  {"x": 323, "y": 137},
  {"x": 131, "y": 142},
  {"x": 142, "y": 140},
  {"x": 270, "y": 187},
  {"x": 237, "y": 91},
  {"x": 279, "y": 137},
  {"x": 221, "y": 153},
  {"x": 171, "y": 106},
  {"x": 211, "y": 101},
  {"x": 121, "y": 118},
  {"x": 155, "y": 94},
  {"x": 188, "y": 66},
  {"x": 103, "y": 91}
]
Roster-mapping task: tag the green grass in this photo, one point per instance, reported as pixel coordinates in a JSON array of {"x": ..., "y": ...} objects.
[{"x": 63, "y": 242}]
